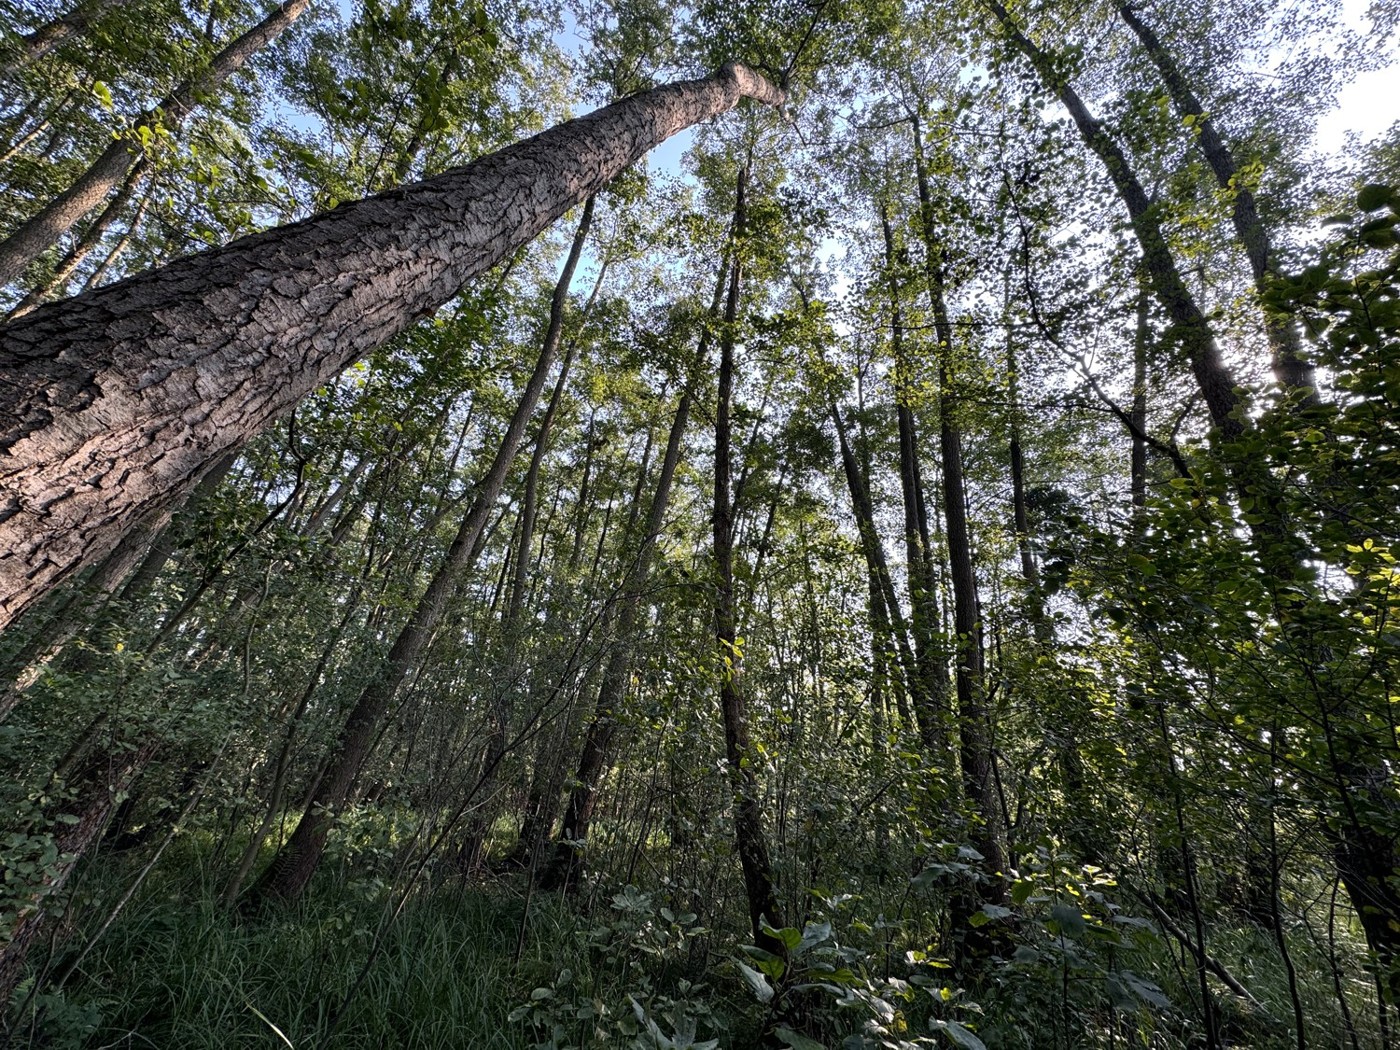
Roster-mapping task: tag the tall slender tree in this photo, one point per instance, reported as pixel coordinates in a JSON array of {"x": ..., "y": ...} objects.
[
  {"x": 299, "y": 857},
  {"x": 111, "y": 168}
]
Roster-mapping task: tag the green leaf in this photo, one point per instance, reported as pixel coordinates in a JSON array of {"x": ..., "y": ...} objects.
[
  {"x": 795, "y": 1040},
  {"x": 1068, "y": 919},
  {"x": 1145, "y": 990},
  {"x": 1141, "y": 564},
  {"x": 1373, "y": 196},
  {"x": 813, "y": 935},
  {"x": 756, "y": 981},
  {"x": 789, "y": 936},
  {"x": 960, "y": 1035}
]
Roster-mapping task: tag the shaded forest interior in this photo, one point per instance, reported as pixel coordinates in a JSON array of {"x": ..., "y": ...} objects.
[{"x": 908, "y": 563}]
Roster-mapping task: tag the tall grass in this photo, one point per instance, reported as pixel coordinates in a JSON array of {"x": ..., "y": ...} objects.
[
  {"x": 176, "y": 970},
  {"x": 347, "y": 968}
]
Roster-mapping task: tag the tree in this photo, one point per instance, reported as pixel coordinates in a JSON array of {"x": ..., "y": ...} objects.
[
  {"x": 296, "y": 862},
  {"x": 750, "y": 839},
  {"x": 121, "y": 398},
  {"x": 110, "y": 169},
  {"x": 37, "y": 43},
  {"x": 950, "y": 467}
]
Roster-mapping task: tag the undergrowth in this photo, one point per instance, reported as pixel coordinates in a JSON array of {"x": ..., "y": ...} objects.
[{"x": 486, "y": 964}]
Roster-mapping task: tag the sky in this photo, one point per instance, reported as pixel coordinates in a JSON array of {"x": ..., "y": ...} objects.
[
  {"x": 1366, "y": 107},
  {"x": 1370, "y": 103}
]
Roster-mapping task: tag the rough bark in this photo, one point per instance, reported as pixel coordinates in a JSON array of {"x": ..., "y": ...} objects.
[
  {"x": 57, "y": 217},
  {"x": 298, "y": 859},
  {"x": 137, "y": 560},
  {"x": 113, "y": 400}
]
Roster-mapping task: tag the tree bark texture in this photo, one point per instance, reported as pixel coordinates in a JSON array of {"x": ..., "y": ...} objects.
[
  {"x": 112, "y": 401},
  {"x": 298, "y": 859}
]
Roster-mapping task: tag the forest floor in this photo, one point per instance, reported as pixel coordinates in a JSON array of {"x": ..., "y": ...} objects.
[{"x": 486, "y": 963}]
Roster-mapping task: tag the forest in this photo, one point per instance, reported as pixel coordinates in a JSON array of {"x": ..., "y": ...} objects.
[{"x": 818, "y": 524}]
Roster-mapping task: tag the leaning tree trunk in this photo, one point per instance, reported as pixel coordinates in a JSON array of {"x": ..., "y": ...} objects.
[
  {"x": 1291, "y": 367},
  {"x": 57, "y": 217},
  {"x": 34, "y": 46},
  {"x": 112, "y": 401},
  {"x": 298, "y": 859},
  {"x": 133, "y": 566}
]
